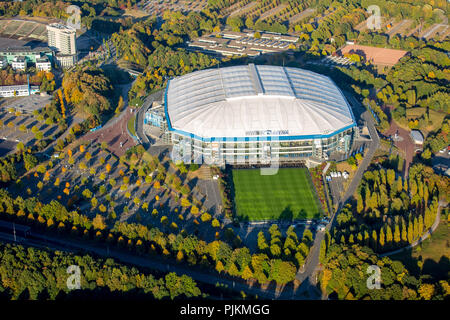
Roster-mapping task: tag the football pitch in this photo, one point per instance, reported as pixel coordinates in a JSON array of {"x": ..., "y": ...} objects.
[{"x": 287, "y": 195}]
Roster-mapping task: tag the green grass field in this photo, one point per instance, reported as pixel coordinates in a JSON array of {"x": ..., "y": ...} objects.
[
  {"x": 130, "y": 125},
  {"x": 287, "y": 195},
  {"x": 433, "y": 252}
]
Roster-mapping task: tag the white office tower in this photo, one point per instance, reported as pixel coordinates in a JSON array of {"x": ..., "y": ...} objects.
[{"x": 62, "y": 38}]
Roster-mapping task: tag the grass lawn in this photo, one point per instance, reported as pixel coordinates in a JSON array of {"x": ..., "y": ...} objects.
[
  {"x": 287, "y": 195},
  {"x": 436, "y": 117},
  {"x": 131, "y": 125},
  {"x": 434, "y": 252}
]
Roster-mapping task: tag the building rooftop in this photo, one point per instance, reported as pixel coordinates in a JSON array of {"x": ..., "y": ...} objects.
[
  {"x": 43, "y": 59},
  {"x": 61, "y": 27},
  {"x": 417, "y": 136},
  {"x": 239, "y": 101},
  {"x": 26, "y": 49},
  {"x": 19, "y": 59},
  {"x": 16, "y": 87}
]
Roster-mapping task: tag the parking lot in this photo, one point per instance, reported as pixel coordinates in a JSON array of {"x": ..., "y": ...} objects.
[
  {"x": 26, "y": 104},
  {"x": 441, "y": 161},
  {"x": 338, "y": 180},
  {"x": 19, "y": 128},
  {"x": 336, "y": 186}
]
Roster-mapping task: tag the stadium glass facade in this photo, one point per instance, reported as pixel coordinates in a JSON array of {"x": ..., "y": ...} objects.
[{"x": 261, "y": 150}]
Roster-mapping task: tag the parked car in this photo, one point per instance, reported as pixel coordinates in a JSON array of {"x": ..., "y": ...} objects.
[{"x": 320, "y": 227}]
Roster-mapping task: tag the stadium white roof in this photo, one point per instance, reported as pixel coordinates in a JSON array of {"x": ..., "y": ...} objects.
[{"x": 249, "y": 100}]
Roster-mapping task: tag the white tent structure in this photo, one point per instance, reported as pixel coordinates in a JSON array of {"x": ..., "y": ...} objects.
[{"x": 417, "y": 136}]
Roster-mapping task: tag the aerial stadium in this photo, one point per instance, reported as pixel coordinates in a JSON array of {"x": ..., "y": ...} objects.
[{"x": 252, "y": 114}]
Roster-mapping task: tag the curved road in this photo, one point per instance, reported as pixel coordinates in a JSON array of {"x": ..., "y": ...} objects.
[
  {"x": 156, "y": 96},
  {"x": 312, "y": 262}
]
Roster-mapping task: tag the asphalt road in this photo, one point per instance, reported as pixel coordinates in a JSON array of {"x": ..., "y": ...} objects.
[{"x": 312, "y": 262}]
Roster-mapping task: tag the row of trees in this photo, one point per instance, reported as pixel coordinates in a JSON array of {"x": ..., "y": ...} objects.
[
  {"x": 234, "y": 260},
  {"x": 35, "y": 274},
  {"x": 288, "y": 247},
  {"x": 346, "y": 276},
  {"x": 57, "y": 8},
  {"x": 395, "y": 233},
  {"x": 390, "y": 212}
]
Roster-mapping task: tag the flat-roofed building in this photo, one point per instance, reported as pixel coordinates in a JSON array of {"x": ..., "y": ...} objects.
[
  {"x": 10, "y": 53},
  {"x": 62, "y": 38},
  {"x": 19, "y": 63},
  {"x": 3, "y": 62},
  {"x": 18, "y": 90},
  {"x": 43, "y": 64},
  {"x": 65, "y": 60}
]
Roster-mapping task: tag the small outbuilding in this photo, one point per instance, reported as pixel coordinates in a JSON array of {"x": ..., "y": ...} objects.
[{"x": 417, "y": 136}]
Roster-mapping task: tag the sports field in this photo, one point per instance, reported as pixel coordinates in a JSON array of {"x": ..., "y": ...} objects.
[{"x": 287, "y": 195}]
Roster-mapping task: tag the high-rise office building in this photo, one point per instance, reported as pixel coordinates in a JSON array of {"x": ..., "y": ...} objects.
[{"x": 62, "y": 38}]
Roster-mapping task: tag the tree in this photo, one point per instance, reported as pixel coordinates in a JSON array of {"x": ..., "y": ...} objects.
[
  {"x": 215, "y": 223},
  {"x": 282, "y": 271},
  {"x": 195, "y": 211},
  {"x": 420, "y": 225},
  {"x": 30, "y": 161},
  {"x": 235, "y": 23},
  {"x": 247, "y": 273},
  {"x": 397, "y": 238},
  {"x": 219, "y": 266},
  {"x": 415, "y": 228},
  {"x": 381, "y": 239},
  {"x": 99, "y": 222},
  {"x": 180, "y": 256},
  {"x": 404, "y": 233},
  {"x": 359, "y": 203},
  {"x": 374, "y": 241},
  {"x": 410, "y": 233},
  {"x": 275, "y": 250},
  {"x": 426, "y": 291},
  {"x": 205, "y": 217},
  {"x": 87, "y": 193},
  {"x": 249, "y": 23},
  {"x": 119, "y": 106},
  {"x": 389, "y": 236},
  {"x": 262, "y": 241},
  {"x": 39, "y": 135},
  {"x": 82, "y": 165}
]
